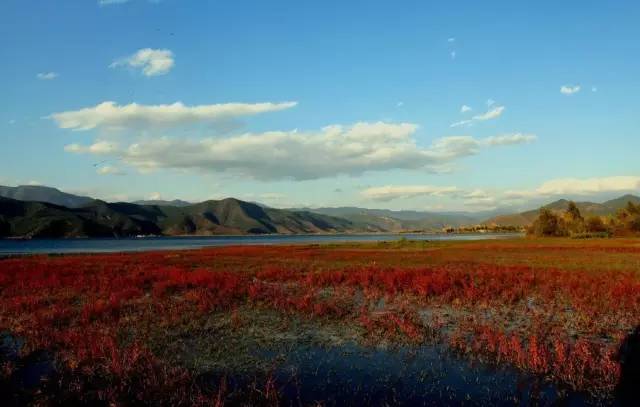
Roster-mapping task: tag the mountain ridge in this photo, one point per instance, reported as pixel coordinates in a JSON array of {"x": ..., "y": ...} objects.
[{"x": 122, "y": 219}]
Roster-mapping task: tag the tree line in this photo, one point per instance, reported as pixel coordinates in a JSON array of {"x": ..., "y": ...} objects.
[{"x": 626, "y": 222}]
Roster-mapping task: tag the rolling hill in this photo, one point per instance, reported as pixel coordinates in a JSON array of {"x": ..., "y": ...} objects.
[{"x": 526, "y": 218}]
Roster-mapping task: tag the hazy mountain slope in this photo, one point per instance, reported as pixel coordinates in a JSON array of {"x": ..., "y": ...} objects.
[
  {"x": 396, "y": 221},
  {"x": 586, "y": 209},
  {"x": 160, "y": 202},
  {"x": 619, "y": 203},
  {"x": 38, "y": 193}
]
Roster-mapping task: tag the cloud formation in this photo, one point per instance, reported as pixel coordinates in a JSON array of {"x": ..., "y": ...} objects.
[
  {"x": 510, "y": 139},
  {"x": 112, "y": 116},
  {"x": 97, "y": 148},
  {"x": 391, "y": 192},
  {"x": 109, "y": 170},
  {"x": 580, "y": 186},
  {"x": 334, "y": 150},
  {"x": 492, "y": 113},
  {"x": 569, "y": 89},
  {"x": 465, "y": 109},
  {"x": 153, "y": 62},
  {"x": 47, "y": 76}
]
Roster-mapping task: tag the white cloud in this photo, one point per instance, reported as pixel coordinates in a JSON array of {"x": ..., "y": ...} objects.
[
  {"x": 154, "y": 196},
  {"x": 391, "y": 192},
  {"x": 400, "y": 104},
  {"x": 594, "y": 89},
  {"x": 462, "y": 123},
  {"x": 111, "y": 115},
  {"x": 47, "y": 76},
  {"x": 509, "y": 139},
  {"x": 477, "y": 193},
  {"x": 335, "y": 150},
  {"x": 465, "y": 109},
  {"x": 569, "y": 89},
  {"x": 490, "y": 102},
  {"x": 565, "y": 186},
  {"x": 491, "y": 114},
  {"x": 451, "y": 39},
  {"x": 98, "y": 148},
  {"x": 580, "y": 186},
  {"x": 109, "y": 170},
  {"x": 453, "y": 55},
  {"x": 488, "y": 115},
  {"x": 479, "y": 199},
  {"x": 153, "y": 62}
]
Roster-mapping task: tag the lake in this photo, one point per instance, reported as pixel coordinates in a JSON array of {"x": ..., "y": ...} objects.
[{"x": 105, "y": 245}]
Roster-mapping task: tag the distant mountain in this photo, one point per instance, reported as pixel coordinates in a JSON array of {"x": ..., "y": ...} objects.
[
  {"x": 160, "y": 202},
  {"x": 98, "y": 219},
  {"x": 396, "y": 221},
  {"x": 38, "y": 193},
  {"x": 526, "y": 218}
]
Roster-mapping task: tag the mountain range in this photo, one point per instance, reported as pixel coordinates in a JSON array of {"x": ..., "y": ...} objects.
[{"x": 39, "y": 211}]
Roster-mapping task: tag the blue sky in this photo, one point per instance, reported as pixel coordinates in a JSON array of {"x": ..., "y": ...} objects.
[{"x": 323, "y": 103}]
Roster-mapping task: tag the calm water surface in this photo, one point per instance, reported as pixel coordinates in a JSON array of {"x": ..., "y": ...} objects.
[{"x": 103, "y": 245}]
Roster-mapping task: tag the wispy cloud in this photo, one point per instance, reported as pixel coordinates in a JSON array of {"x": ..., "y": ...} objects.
[
  {"x": 97, "y": 148},
  {"x": 510, "y": 139},
  {"x": 112, "y": 116},
  {"x": 569, "y": 89},
  {"x": 465, "y": 109},
  {"x": 47, "y": 76},
  {"x": 580, "y": 186},
  {"x": 109, "y": 170},
  {"x": 461, "y": 123},
  {"x": 391, "y": 192},
  {"x": 491, "y": 114},
  {"x": 153, "y": 62}
]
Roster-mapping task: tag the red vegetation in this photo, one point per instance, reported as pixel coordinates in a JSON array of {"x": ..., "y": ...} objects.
[{"x": 534, "y": 307}]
